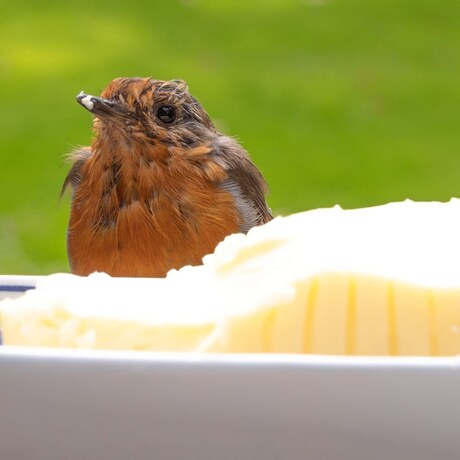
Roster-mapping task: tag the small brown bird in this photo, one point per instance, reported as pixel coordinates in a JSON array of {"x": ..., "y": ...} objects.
[{"x": 159, "y": 187}]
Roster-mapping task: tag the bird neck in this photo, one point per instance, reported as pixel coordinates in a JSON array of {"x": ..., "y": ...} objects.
[{"x": 131, "y": 169}]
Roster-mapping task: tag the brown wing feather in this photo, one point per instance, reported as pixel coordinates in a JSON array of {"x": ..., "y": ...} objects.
[
  {"x": 244, "y": 181},
  {"x": 78, "y": 158}
]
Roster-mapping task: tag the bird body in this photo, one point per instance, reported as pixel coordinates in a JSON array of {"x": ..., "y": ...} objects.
[{"x": 159, "y": 187}]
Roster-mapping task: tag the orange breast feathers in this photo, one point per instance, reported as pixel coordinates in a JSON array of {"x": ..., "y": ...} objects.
[{"x": 159, "y": 187}]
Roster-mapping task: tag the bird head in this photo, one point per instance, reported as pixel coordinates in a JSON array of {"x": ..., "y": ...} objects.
[{"x": 143, "y": 108}]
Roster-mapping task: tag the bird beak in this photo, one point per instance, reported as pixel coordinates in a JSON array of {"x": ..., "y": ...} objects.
[{"x": 100, "y": 106}]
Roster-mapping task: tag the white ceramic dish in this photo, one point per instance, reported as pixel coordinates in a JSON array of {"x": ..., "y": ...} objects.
[
  {"x": 14, "y": 286},
  {"x": 66, "y": 404}
]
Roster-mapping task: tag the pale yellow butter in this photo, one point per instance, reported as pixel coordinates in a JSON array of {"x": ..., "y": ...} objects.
[{"x": 373, "y": 281}]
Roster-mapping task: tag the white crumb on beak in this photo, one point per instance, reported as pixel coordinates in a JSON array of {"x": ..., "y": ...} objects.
[{"x": 87, "y": 102}]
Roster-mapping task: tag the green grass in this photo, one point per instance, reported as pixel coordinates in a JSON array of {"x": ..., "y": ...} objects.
[{"x": 351, "y": 102}]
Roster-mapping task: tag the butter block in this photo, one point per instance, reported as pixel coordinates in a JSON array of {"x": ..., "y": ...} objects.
[
  {"x": 100, "y": 312},
  {"x": 374, "y": 281}
]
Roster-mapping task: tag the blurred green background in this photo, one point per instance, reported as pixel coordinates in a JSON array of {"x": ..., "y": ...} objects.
[{"x": 351, "y": 102}]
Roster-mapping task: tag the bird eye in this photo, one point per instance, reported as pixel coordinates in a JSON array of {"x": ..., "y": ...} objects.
[{"x": 167, "y": 114}]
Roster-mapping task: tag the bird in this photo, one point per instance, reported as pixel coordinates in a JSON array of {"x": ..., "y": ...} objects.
[{"x": 160, "y": 186}]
